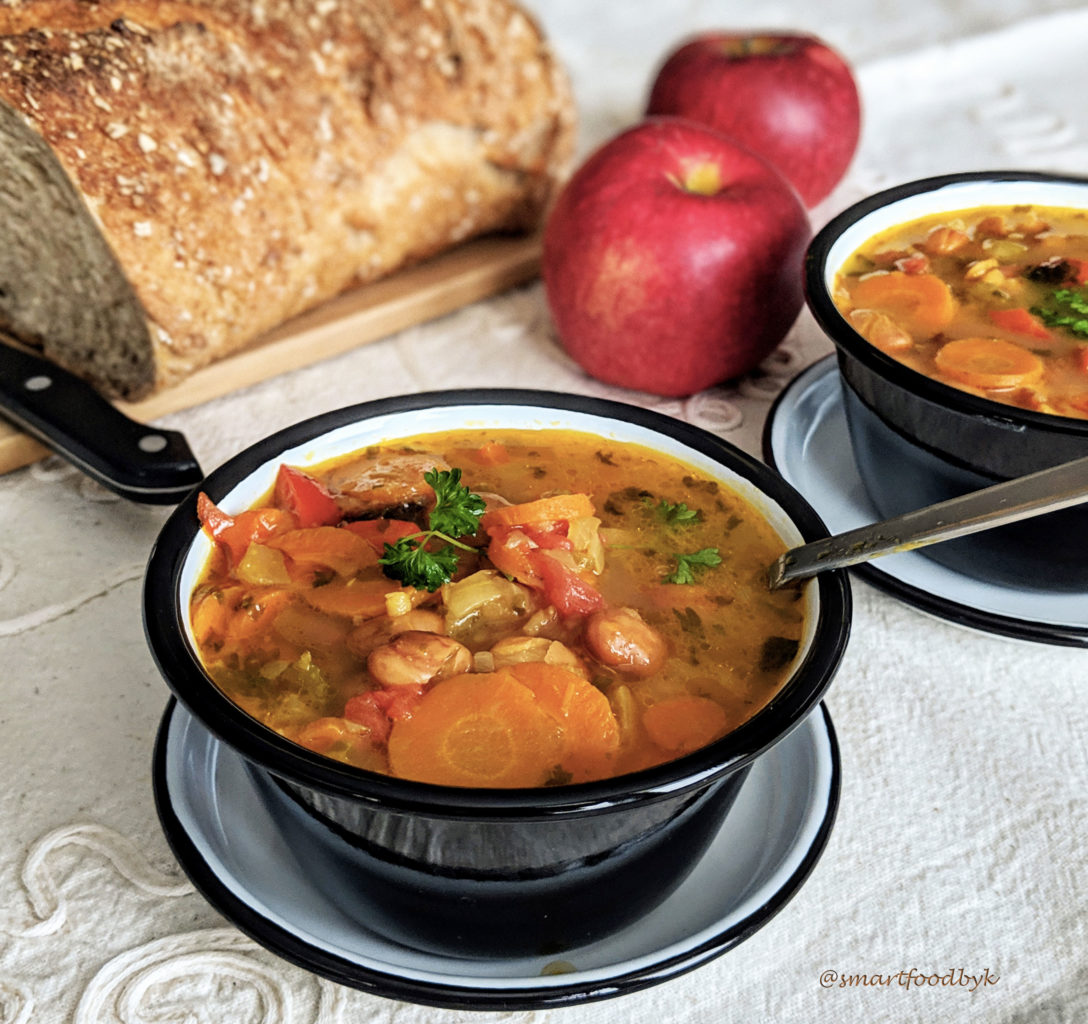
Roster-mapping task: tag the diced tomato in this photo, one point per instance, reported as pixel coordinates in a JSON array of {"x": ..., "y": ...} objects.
[
  {"x": 379, "y": 532},
  {"x": 236, "y": 533},
  {"x": 510, "y": 552},
  {"x": 564, "y": 588},
  {"x": 1020, "y": 321},
  {"x": 379, "y": 709},
  {"x": 523, "y": 554},
  {"x": 308, "y": 499},
  {"x": 364, "y": 710},
  {"x": 549, "y": 540}
]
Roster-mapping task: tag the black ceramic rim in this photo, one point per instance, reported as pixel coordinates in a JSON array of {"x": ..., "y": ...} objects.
[
  {"x": 933, "y": 604},
  {"x": 293, "y": 949},
  {"x": 180, "y": 666},
  {"x": 835, "y": 326}
]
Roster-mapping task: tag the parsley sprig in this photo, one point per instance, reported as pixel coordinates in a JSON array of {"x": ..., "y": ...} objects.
[
  {"x": 687, "y": 565},
  {"x": 1068, "y": 309},
  {"x": 415, "y": 560},
  {"x": 677, "y": 514}
]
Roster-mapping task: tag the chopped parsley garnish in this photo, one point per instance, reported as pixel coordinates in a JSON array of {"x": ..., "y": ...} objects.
[
  {"x": 688, "y": 564},
  {"x": 1068, "y": 309},
  {"x": 413, "y": 560},
  {"x": 677, "y": 514}
]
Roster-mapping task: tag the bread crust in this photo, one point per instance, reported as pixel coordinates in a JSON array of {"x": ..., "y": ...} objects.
[{"x": 180, "y": 177}]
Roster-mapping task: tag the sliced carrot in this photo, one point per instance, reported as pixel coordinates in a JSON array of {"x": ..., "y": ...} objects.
[
  {"x": 591, "y": 734},
  {"x": 483, "y": 729},
  {"x": 921, "y": 303},
  {"x": 988, "y": 363},
  {"x": 682, "y": 724},
  {"x": 353, "y": 598},
  {"x": 330, "y": 547},
  {"x": 559, "y": 508},
  {"x": 1019, "y": 321}
]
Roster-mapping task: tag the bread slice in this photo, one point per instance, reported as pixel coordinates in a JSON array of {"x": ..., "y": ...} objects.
[{"x": 177, "y": 178}]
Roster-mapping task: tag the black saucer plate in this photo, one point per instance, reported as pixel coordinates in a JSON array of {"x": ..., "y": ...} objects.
[
  {"x": 237, "y": 838},
  {"x": 807, "y": 441}
]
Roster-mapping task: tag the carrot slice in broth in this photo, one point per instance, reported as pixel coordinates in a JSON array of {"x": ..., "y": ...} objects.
[
  {"x": 555, "y": 509},
  {"x": 343, "y": 551},
  {"x": 683, "y": 724},
  {"x": 591, "y": 734},
  {"x": 988, "y": 363},
  {"x": 921, "y": 303},
  {"x": 483, "y": 729}
]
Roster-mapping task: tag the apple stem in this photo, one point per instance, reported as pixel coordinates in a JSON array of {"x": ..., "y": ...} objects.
[{"x": 703, "y": 178}]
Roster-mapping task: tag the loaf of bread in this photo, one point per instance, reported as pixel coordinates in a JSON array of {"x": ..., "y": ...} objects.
[{"x": 179, "y": 176}]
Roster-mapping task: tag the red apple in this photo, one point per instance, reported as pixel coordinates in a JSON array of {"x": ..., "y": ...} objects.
[
  {"x": 788, "y": 96},
  {"x": 672, "y": 259}
]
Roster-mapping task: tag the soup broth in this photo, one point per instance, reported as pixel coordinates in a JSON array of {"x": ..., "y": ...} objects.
[
  {"x": 993, "y": 301},
  {"x": 518, "y": 608}
]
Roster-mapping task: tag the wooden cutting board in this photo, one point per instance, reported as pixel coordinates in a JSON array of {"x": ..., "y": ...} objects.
[{"x": 457, "y": 278}]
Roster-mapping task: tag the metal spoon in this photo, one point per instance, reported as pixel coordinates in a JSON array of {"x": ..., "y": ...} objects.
[{"x": 1026, "y": 496}]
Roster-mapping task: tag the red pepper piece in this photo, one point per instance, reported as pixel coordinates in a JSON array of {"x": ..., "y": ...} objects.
[
  {"x": 307, "y": 499},
  {"x": 1019, "y": 321}
]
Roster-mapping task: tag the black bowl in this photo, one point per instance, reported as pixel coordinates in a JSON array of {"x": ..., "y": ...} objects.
[
  {"x": 498, "y": 870},
  {"x": 918, "y": 441}
]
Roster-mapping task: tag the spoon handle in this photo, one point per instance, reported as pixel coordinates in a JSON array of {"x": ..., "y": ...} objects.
[{"x": 1021, "y": 498}]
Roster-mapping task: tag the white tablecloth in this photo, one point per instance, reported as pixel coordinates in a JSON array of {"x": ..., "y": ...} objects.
[{"x": 961, "y": 835}]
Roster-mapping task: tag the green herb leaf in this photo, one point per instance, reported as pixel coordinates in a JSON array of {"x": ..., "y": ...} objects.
[
  {"x": 457, "y": 510},
  {"x": 678, "y": 514},
  {"x": 688, "y": 564},
  {"x": 1068, "y": 309},
  {"x": 415, "y": 560},
  {"x": 411, "y": 563}
]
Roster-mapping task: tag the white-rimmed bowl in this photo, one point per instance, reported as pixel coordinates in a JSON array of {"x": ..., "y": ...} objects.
[
  {"x": 489, "y": 869},
  {"x": 918, "y": 441}
]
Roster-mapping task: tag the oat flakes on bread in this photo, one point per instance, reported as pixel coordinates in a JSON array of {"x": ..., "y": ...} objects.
[{"x": 177, "y": 178}]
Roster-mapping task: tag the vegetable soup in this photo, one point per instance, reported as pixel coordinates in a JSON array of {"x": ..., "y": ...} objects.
[
  {"x": 508, "y": 609},
  {"x": 993, "y": 301}
]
